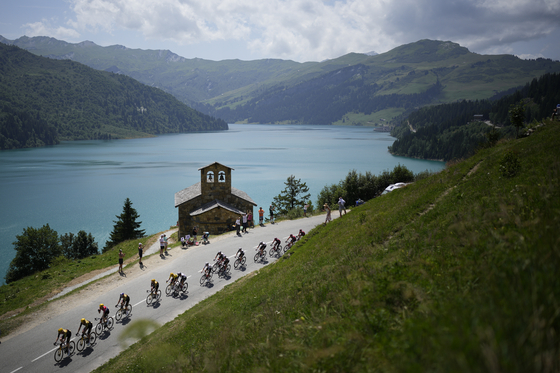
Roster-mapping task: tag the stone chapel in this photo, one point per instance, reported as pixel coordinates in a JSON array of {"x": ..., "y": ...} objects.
[{"x": 211, "y": 204}]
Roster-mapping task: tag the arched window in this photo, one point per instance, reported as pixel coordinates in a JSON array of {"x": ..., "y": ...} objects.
[
  {"x": 221, "y": 177},
  {"x": 210, "y": 177}
]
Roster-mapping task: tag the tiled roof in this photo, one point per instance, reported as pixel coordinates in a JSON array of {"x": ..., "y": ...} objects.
[
  {"x": 194, "y": 191},
  {"x": 214, "y": 163},
  {"x": 241, "y": 194},
  {"x": 187, "y": 194},
  {"x": 215, "y": 204}
]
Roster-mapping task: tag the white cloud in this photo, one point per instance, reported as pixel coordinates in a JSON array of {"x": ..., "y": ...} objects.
[
  {"x": 316, "y": 29},
  {"x": 45, "y": 28}
]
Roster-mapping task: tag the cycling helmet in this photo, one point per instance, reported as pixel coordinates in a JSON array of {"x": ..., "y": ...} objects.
[
  {"x": 83, "y": 321},
  {"x": 171, "y": 274},
  {"x": 153, "y": 280},
  {"x": 101, "y": 305},
  {"x": 122, "y": 295},
  {"x": 207, "y": 263},
  {"x": 61, "y": 330}
]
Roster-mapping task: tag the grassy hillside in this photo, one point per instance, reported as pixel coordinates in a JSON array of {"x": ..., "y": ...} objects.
[{"x": 456, "y": 272}]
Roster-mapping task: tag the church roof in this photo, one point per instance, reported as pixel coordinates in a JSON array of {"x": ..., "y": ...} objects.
[
  {"x": 213, "y": 164},
  {"x": 194, "y": 191},
  {"x": 215, "y": 204}
]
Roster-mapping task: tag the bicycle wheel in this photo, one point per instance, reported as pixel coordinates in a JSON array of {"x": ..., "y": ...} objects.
[
  {"x": 271, "y": 252},
  {"x": 92, "y": 338},
  {"x": 81, "y": 344},
  {"x": 158, "y": 296},
  {"x": 257, "y": 257},
  {"x": 215, "y": 267},
  {"x": 128, "y": 310},
  {"x": 185, "y": 287},
  {"x": 236, "y": 264},
  {"x": 149, "y": 299},
  {"x": 110, "y": 323},
  {"x": 99, "y": 328},
  {"x": 279, "y": 248},
  {"x": 71, "y": 348},
  {"x": 203, "y": 280},
  {"x": 168, "y": 290},
  {"x": 119, "y": 314},
  {"x": 243, "y": 261},
  {"x": 58, "y": 355}
]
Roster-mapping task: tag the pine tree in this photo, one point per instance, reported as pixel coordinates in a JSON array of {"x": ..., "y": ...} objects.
[
  {"x": 126, "y": 227},
  {"x": 291, "y": 196}
]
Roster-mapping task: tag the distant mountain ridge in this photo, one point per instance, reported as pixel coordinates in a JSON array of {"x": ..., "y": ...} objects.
[
  {"x": 355, "y": 88},
  {"x": 44, "y": 101}
]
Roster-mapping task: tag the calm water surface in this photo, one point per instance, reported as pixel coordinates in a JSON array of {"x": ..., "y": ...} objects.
[{"x": 82, "y": 185}]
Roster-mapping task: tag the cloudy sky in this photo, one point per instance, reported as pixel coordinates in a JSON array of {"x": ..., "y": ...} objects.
[{"x": 299, "y": 30}]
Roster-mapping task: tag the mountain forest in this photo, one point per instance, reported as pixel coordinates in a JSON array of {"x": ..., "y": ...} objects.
[
  {"x": 44, "y": 101},
  {"x": 354, "y": 89},
  {"x": 451, "y": 131}
]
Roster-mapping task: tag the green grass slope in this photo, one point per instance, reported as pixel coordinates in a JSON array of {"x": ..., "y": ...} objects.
[{"x": 456, "y": 272}]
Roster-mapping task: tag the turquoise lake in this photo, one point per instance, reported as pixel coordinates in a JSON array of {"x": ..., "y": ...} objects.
[{"x": 82, "y": 185}]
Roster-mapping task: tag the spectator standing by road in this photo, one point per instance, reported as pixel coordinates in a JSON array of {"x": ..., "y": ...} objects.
[
  {"x": 261, "y": 216},
  {"x": 165, "y": 242},
  {"x": 305, "y": 210},
  {"x": 271, "y": 211},
  {"x": 341, "y": 206},
  {"x": 250, "y": 219},
  {"x": 161, "y": 245},
  {"x": 140, "y": 252},
  {"x": 238, "y": 224},
  {"x": 328, "y": 210},
  {"x": 245, "y": 223},
  {"x": 194, "y": 233},
  {"x": 121, "y": 260}
]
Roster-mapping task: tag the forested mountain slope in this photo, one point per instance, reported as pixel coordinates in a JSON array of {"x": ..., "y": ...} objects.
[
  {"x": 450, "y": 131},
  {"x": 352, "y": 89},
  {"x": 43, "y": 101}
]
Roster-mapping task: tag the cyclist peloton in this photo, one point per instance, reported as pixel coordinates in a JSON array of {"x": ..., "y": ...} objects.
[
  {"x": 261, "y": 247},
  {"x": 219, "y": 257},
  {"x": 124, "y": 300},
  {"x": 300, "y": 234},
  {"x": 88, "y": 325},
  {"x": 64, "y": 333},
  {"x": 291, "y": 240},
  {"x": 240, "y": 254},
  {"x": 105, "y": 310}
]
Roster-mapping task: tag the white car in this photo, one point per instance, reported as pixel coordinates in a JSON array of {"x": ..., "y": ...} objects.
[{"x": 392, "y": 187}]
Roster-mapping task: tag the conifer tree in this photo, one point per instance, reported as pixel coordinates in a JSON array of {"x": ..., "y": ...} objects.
[
  {"x": 126, "y": 227},
  {"x": 291, "y": 196}
]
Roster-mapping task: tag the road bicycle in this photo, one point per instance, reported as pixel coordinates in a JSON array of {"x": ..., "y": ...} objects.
[
  {"x": 206, "y": 278},
  {"x": 153, "y": 296},
  {"x": 224, "y": 270},
  {"x": 260, "y": 255},
  {"x": 289, "y": 245},
  {"x": 85, "y": 339},
  {"x": 275, "y": 249},
  {"x": 126, "y": 312},
  {"x": 102, "y": 326},
  {"x": 59, "y": 353},
  {"x": 239, "y": 262}
]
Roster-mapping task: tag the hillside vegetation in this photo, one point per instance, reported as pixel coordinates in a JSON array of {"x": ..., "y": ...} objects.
[
  {"x": 454, "y": 273},
  {"x": 351, "y": 89},
  {"x": 44, "y": 101},
  {"x": 449, "y": 131}
]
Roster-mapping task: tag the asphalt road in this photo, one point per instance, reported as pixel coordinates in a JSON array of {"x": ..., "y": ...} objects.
[{"x": 33, "y": 350}]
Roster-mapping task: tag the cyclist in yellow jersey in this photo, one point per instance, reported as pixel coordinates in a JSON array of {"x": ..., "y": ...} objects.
[
  {"x": 124, "y": 300},
  {"x": 64, "y": 333},
  {"x": 88, "y": 325},
  {"x": 172, "y": 278},
  {"x": 154, "y": 286}
]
